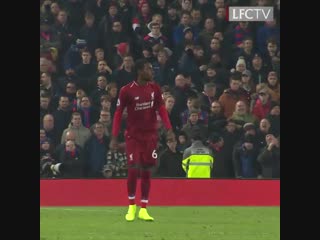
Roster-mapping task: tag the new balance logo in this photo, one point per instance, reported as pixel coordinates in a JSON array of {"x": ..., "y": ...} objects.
[{"x": 136, "y": 98}]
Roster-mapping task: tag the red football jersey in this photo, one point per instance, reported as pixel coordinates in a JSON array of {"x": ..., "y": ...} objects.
[{"x": 142, "y": 103}]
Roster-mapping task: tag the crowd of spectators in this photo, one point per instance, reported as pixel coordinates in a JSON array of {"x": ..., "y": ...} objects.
[{"x": 219, "y": 76}]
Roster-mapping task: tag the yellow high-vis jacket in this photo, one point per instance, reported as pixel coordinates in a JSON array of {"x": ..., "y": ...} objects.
[{"x": 197, "y": 161}]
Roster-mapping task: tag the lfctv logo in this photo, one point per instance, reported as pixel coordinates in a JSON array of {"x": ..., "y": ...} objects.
[{"x": 259, "y": 14}]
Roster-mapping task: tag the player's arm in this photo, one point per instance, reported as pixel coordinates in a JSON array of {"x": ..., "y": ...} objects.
[
  {"x": 116, "y": 123},
  {"x": 163, "y": 111}
]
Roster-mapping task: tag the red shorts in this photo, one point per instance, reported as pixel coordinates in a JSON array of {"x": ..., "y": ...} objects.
[{"x": 141, "y": 152}]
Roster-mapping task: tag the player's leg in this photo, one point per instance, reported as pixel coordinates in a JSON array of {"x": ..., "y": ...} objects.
[
  {"x": 133, "y": 172},
  {"x": 145, "y": 189},
  {"x": 149, "y": 160}
]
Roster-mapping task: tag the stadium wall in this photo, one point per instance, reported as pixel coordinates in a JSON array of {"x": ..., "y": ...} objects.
[{"x": 164, "y": 192}]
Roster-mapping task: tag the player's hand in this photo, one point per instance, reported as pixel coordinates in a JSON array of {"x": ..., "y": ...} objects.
[{"x": 113, "y": 144}]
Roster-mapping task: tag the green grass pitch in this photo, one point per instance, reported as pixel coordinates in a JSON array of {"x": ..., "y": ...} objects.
[{"x": 171, "y": 223}]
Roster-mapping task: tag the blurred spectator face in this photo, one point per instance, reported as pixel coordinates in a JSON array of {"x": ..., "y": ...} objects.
[
  {"x": 117, "y": 26},
  {"x": 180, "y": 81},
  {"x": 182, "y": 139},
  {"x": 243, "y": 25},
  {"x": 45, "y": 79},
  {"x": 102, "y": 82},
  {"x": 275, "y": 111},
  {"x": 185, "y": 19},
  {"x": 70, "y": 136},
  {"x": 264, "y": 125},
  {"x": 113, "y": 92},
  {"x": 70, "y": 146},
  {"x": 161, "y": 3},
  {"x": 42, "y": 134},
  {"x": 145, "y": 9},
  {"x": 218, "y": 35},
  {"x": 210, "y": 91},
  {"x": 62, "y": 17},
  {"x": 128, "y": 62},
  {"x": 169, "y": 102},
  {"x": 196, "y": 16},
  {"x": 194, "y": 118},
  {"x": 102, "y": 66},
  {"x": 105, "y": 104},
  {"x": 99, "y": 55},
  {"x": 55, "y": 9},
  {"x": 188, "y": 35},
  {"x": 71, "y": 88},
  {"x": 209, "y": 24},
  {"x": 198, "y": 52},
  {"x": 241, "y": 108},
  {"x": 105, "y": 116},
  {"x": 44, "y": 102},
  {"x": 215, "y": 107},
  {"x": 113, "y": 10},
  {"x": 240, "y": 67},
  {"x": 191, "y": 103},
  {"x": 215, "y": 58},
  {"x": 80, "y": 93},
  {"x": 48, "y": 122},
  {"x": 247, "y": 44},
  {"x": 263, "y": 95},
  {"x": 69, "y": 72},
  {"x": 186, "y": 5},
  {"x": 245, "y": 79},
  {"x": 234, "y": 84},
  {"x": 45, "y": 146},
  {"x": 257, "y": 62},
  {"x": 211, "y": 72},
  {"x": 64, "y": 103},
  {"x": 219, "y": 4},
  {"x": 76, "y": 121},
  {"x": 146, "y": 53},
  {"x": 89, "y": 20},
  {"x": 162, "y": 58},
  {"x": 44, "y": 65},
  {"x": 85, "y": 102},
  {"x": 221, "y": 13},
  {"x": 215, "y": 44},
  {"x": 155, "y": 30},
  {"x": 172, "y": 12},
  {"x": 86, "y": 57},
  {"x": 231, "y": 127},
  {"x": 272, "y": 78},
  {"x": 172, "y": 144},
  {"x": 157, "y": 19},
  {"x": 99, "y": 130},
  {"x": 272, "y": 48}
]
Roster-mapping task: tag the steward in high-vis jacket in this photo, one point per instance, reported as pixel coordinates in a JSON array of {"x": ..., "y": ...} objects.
[{"x": 197, "y": 159}]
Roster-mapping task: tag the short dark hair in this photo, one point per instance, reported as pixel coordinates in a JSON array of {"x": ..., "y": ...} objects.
[
  {"x": 139, "y": 65},
  {"x": 236, "y": 76}
]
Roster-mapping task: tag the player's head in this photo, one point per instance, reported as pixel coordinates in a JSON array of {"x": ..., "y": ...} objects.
[{"x": 144, "y": 70}]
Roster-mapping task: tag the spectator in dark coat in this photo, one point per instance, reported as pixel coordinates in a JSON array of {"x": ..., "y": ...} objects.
[
  {"x": 269, "y": 158},
  {"x": 96, "y": 149}
]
